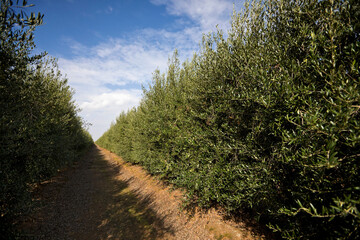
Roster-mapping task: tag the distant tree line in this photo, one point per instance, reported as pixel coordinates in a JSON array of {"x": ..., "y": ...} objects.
[
  {"x": 40, "y": 130},
  {"x": 265, "y": 120}
]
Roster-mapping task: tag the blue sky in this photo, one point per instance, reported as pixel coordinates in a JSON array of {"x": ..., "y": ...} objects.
[{"x": 109, "y": 48}]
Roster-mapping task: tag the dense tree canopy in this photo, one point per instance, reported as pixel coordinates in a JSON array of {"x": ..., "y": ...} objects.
[
  {"x": 40, "y": 130},
  {"x": 266, "y": 119}
]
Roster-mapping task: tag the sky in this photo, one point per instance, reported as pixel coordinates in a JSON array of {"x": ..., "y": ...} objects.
[{"x": 109, "y": 49}]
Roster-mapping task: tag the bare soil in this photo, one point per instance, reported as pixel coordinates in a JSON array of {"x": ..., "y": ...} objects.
[{"x": 102, "y": 197}]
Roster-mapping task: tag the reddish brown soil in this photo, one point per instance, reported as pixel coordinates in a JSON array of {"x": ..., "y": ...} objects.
[{"x": 102, "y": 197}]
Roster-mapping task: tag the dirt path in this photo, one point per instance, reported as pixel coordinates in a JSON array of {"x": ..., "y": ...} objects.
[{"x": 102, "y": 197}]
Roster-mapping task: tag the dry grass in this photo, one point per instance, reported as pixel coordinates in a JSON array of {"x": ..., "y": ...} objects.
[
  {"x": 167, "y": 203},
  {"x": 103, "y": 197}
]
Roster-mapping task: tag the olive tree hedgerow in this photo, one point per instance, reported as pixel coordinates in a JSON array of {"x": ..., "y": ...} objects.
[
  {"x": 265, "y": 120},
  {"x": 40, "y": 130}
]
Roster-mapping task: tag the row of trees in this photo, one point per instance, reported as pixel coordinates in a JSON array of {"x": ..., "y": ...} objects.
[
  {"x": 40, "y": 130},
  {"x": 266, "y": 119}
]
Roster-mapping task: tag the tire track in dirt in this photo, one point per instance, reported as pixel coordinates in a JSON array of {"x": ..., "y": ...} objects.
[{"x": 102, "y": 197}]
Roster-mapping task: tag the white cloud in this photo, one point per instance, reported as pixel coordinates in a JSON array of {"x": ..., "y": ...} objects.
[
  {"x": 206, "y": 13},
  {"x": 121, "y": 98},
  {"x": 120, "y": 62},
  {"x": 100, "y": 109},
  {"x": 76, "y": 47},
  {"x": 107, "y": 77}
]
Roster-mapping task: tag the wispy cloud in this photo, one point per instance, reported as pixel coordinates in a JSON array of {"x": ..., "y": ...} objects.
[
  {"x": 108, "y": 76},
  {"x": 106, "y": 10},
  {"x": 206, "y": 13},
  {"x": 114, "y": 62},
  {"x": 124, "y": 61},
  {"x": 110, "y": 9}
]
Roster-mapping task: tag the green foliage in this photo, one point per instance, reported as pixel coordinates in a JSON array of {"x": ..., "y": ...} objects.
[
  {"x": 266, "y": 119},
  {"x": 40, "y": 130}
]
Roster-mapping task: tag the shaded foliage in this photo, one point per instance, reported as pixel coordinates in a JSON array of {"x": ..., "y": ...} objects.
[
  {"x": 40, "y": 130},
  {"x": 265, "y": 119}
]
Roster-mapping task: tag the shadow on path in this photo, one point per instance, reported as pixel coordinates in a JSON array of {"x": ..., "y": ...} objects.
[
  {"x": 127, "y": 215},
  {"x": 91, "y": 202}
]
